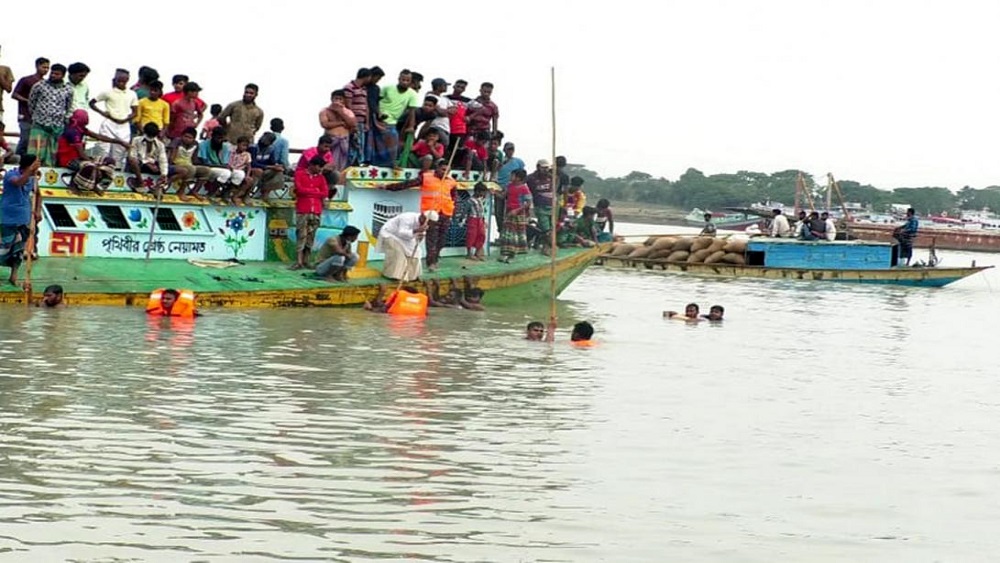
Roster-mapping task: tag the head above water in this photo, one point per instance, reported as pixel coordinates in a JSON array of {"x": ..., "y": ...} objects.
[
  {"x": 535, "y": 331},
  {"x": 168, "y": 298},
  {"x": 716, "y": 312},
  {"x": 691, "y": 310},
  {"x": 582, "y": 331},
  {"x": 52, "y": 296}
]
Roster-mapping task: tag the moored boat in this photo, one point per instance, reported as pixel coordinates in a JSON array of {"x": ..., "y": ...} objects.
[
  {"x": 854, "y": 261},
  {"x": 734, "y": 220},
  {"x": 944, "y": 238},
  {"x": 237, "y": 256}
]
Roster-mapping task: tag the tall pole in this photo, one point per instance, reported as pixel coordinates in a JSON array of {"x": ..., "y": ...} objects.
[{"x": 555, "y": 218}]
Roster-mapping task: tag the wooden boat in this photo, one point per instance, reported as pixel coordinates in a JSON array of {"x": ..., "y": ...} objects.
[
  {"x": 736, "y": 221},
  {"x": 787, "y": 259},
  {"x": 238, "y": 256},
  {"x": 945, "y": 238}
]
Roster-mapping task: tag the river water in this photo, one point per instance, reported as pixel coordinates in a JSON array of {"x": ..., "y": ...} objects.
[{"x": 820, "y": 422}]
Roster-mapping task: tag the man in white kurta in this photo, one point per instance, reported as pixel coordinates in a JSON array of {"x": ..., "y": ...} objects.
[{"x": 399, "y": 239}]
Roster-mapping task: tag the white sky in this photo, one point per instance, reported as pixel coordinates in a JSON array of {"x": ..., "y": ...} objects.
[{"x": 890, "y": 93}]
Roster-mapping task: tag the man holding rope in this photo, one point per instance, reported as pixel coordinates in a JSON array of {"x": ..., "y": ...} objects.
[{"x": 15, "y": 213}]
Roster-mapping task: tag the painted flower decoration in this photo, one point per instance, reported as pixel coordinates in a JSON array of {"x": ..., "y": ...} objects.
[
  {"x": 82, "y": 214},
  {"x": 236, "y": 223},
  {"x": 134, "y": 215},
  {"x": 373, "y": 172},
  {"x": 51, "y": 177},
  {"x": 119, "y": 181},
  {"x": 189, "y": 220}
]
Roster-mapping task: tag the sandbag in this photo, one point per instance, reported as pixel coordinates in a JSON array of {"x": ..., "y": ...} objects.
[
  {"x": 659, "y": 254},
  {"x": 649, "y": 241},
  {"x": 733, "y": 258},
  {"x": 699, "y": 256},
  {"x": 678, "y": 256},
  {"x": 718, "y": 244},
  {"x": 664, "y": 243},
  {"x": 641, "y": 252},
  {"x": 715, "y": 257},
  {"x": 701, "y": 243},
  {"x": 683, "y": 243},
  {"x": 737, "y": 245},
  {"x": 622, "y": 249}
]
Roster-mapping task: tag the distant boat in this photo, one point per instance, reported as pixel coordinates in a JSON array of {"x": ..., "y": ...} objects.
[
  {"x": 864, "y": 262},
  {"x": 734, "y": 221}
]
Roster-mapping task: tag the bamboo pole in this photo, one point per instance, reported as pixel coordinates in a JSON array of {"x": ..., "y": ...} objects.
[{"x": 550, "y": 333}]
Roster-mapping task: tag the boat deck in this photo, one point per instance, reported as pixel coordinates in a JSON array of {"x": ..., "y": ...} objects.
[{"x": 117, "y": 281}]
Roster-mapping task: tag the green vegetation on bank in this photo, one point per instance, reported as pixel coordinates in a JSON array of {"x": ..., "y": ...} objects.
[{"x": 695, "y": 189}]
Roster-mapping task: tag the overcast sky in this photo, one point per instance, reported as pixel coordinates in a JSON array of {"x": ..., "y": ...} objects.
[{"x": 890, "y": 93}]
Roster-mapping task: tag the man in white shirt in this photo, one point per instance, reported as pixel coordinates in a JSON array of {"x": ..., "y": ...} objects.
[
  {"x": 831, "y": 227},
  {"x": 445, "y": 109},
  {"x": 120, "y": 106},
  {"x": 779, "y": 225},
  {"x": 399, "y": 239}
]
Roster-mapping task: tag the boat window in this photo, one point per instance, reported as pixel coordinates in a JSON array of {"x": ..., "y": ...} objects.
[
  {"x": 59, "y": 215},
  {"x": 755, "y": 257},
  {"x": 165, "y": 220},
  {"x": 113, "y": 217}
]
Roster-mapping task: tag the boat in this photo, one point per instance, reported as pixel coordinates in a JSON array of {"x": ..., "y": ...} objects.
[
  {"x": 735, "y": 221},
  {"x": 855, "y": 261},
  {"x": 942, "y": 237},
  {"x": 237, "y": 256}
]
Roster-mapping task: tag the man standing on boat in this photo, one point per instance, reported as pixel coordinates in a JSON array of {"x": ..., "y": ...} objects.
[
  {"x": 338, "y": 122},
  {"x": 397, "y": 112},
  {"x": 242, "y": 118},
  {"x": 540, "y": 183},
  {"x": 120, "y": 107},
  {"x": 15, "y": 213},
  {"x": 906, "y": 234},
  {"x": 356, "y": 96},
  {"x": 21, "y": 91},
  {"x": 779, "y": 225},
  {"x": 6, "y": 85},
  {"x": 49, "y": 101}
]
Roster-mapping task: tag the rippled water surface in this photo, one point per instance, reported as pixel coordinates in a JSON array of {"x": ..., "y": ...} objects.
[{"x": 819, "y": 423}]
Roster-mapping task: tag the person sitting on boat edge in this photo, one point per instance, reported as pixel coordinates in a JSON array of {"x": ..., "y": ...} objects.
[
  {"x": 690, "y": 313},
  {"x": 604, "y": 221},
  {"x": 813, "y": 228},
  {"x": 709, "y": 229},
  {"x": 535, "y": 331},
  {"x": 335, "y": 258},
  {"x": 52, "y": 297},
  {"x": 171, "y": 303},
  {"x": 715, "y": 313},
  {"x": 580, "y": 232},
  {"x": 779, "y": 225}
]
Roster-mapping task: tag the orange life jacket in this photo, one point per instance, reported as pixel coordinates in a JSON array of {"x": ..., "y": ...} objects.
[
  {"x": 583, "y": 343},
  {"x": 406, "y": 303},
  {"x": 435, "y": 194},
  {"x": 183, "y": 306}
]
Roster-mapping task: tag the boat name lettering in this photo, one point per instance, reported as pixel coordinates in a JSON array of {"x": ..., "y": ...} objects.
[
  {"x": 177, "y": 247},
  {"x": 129, "y": 245}
]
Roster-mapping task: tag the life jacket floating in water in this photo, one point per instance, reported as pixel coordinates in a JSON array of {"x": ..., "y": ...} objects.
[
  {"x": 183, "y": 306},
  {"x": 406, "y": 303}
]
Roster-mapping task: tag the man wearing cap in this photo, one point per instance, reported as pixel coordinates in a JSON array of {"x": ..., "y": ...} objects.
[
  {"x": 437, "y": 194},
  {"x": 540, "y": 183},
  {"x": 399, "y": 240}
]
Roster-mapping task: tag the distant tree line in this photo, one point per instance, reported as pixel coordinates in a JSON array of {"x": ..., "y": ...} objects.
[{"x": 695, "y": 189}]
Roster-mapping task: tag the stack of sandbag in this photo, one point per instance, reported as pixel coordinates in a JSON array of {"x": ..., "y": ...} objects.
[{"x": 693, "y": 249}]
